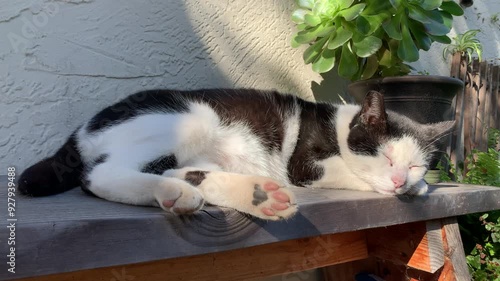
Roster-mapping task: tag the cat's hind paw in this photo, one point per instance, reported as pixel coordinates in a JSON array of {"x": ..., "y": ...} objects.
[
  {"x": 179, "y": 199},
  {"x": 273, "y": 202}
]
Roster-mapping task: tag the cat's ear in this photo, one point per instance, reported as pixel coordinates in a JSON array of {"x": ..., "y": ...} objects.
[
  {"x": 438, "y": 130},
  {"x": 373, "y": 113}
]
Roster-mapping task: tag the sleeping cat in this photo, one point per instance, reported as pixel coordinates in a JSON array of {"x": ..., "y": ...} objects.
[{"x": 238, "y": 149}]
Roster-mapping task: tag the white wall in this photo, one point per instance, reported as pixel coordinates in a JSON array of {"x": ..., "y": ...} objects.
[
  {"x": 62, "y": 60},
  {"x": 481, "y": 15}
]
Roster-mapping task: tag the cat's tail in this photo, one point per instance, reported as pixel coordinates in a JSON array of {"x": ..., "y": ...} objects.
[{"x": 58, "y": 173}]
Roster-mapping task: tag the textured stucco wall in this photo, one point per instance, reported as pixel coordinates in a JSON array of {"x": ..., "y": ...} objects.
[
  {"x": 483, "y": 15},
  {"x": 61, "y": 61}
]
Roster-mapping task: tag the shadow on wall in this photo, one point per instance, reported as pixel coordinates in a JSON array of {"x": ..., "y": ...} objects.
[
  {"x": 332, "y": 88},
  {"x": 65, "y": 61}
]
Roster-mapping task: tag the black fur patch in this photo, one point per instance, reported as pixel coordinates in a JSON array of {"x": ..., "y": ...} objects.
[
  {"x": 317, "y": 140},
  {"x": 160, "y": 165},
  {"x": 55, "y": 174},
  {"x": 262, "y": 111},
  {"x": 369, "y": 128},
  {"x": 259, "y": 195},
  {"x": 101, "y": 159},
  {"x": 195, "y": 177},
  {"x": 85, "y": 182},
  {"x": 137, "y": 104},
  {"x": 363, "y": 141}
]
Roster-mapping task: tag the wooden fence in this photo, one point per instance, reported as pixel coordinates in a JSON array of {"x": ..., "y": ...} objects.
[{"x": 477, "y": 108}]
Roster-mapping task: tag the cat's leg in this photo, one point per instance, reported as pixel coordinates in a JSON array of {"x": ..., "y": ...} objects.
[
  {"x": 338, "y": 176},
  {"x": 125, "y": 185},
  {"x": 258, "y": 196}
]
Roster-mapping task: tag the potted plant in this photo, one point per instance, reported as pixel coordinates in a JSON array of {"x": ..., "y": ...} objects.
[{"x": 371, "y": 42}]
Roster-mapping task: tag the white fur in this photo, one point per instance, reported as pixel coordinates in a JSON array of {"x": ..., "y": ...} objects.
[{"x": 198, "y": 138}]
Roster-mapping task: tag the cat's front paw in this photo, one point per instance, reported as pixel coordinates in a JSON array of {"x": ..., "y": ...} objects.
[
  {"x": 273, "y": 202},
  {"x": 418, "y": 189}
]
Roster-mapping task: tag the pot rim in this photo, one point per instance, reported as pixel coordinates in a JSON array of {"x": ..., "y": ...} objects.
[{"x": 411, "y": 79}]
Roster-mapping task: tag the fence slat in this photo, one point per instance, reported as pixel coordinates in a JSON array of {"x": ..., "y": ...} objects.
[
  {"x": 476, "y": 110},
  {"x": 495, "y": 119},
  {"x": 456, "y": 150},
  {"x": 470, "y": 110},
  {"x": 479, "y": 136}
]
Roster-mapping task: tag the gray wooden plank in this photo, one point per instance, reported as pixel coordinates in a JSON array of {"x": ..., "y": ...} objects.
[
  {"x": 455, "y": 249},
  {"x": 73, "y": 231}
]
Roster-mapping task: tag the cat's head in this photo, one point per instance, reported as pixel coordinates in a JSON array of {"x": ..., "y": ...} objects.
[{"x": 390, "y": 151}]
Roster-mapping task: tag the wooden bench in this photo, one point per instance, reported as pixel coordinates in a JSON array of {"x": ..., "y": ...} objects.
[{"x": 73, "y": 236}]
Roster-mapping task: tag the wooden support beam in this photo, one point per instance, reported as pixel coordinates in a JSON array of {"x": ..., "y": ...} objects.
[
  {"x": 454, "y": 251},
  {"x": 241, "y": 264},
  {"x": 429, "y": 251},
  {"x": 417, "y": 245}
]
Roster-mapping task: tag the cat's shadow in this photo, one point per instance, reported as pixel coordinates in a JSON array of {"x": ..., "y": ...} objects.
[{"x": 215, "y": 227}]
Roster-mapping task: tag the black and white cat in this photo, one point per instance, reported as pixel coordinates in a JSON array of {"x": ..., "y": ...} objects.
[{"x": 237, "y": 149}]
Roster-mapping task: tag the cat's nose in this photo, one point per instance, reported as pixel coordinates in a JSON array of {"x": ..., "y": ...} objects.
[{"x": 398, "y": 181}]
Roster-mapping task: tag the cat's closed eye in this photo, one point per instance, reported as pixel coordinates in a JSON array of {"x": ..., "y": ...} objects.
[
  {"x": 389, "y": 159},
  {"x": 415, "y": 167}
]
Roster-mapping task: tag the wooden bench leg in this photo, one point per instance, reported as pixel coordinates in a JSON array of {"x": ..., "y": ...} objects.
[
  {"x": 454, "y": 250},
  {"x": 416, "y": 251}
]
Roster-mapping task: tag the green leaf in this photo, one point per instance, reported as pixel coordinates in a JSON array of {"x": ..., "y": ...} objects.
[
  {"x": 435, "y": 28},
  {"x": 312, "y": 53},
  {"x": 352, "y": 12},
  {"x": 447, "y": 19},
  {"x": 305, "y": 37},
  {"x": 307, "y": 4},
  {"x": 294, "y": 43},
  {"x": 298, "y": 15},
  {"x": 363, "y": 25},
  {"x": 443, "y": 39},
  {"x": 311, "y": 33},
  {"x": 368, "y": 46},
  {"x": 422, "y": 40},
  {"x": 340, "y": 38},
  {"x": 312, "y": 20},
  {"x": 474, "y": 261},
  {"x": 395, "y": 3},
  {"x": 343, "y": 4},
  {"x": 371, "y": 23},
  {"x": 424, "y": 16},
  {"x": 370, "y": 67},
  {"x": 348, "y": 65},
  {"x": 325, "y": 29},
  {"x": 301, "y": 26},
  {"x": 431, "y": 4},
  {"x": 324, "y": 62},
  {"x": 393, "y": 27},
  {"x": 386, "y": 58},
  {"x": 407, "y": 50},
  {"x": 452, "y": 8}
]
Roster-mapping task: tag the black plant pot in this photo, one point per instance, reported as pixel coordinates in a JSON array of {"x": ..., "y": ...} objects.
[{"x": 424, "y": 98}]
